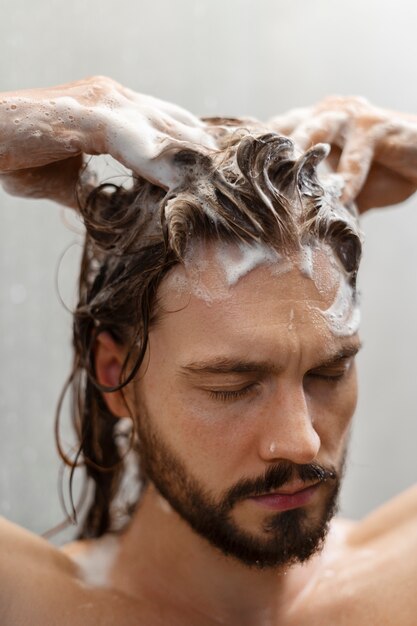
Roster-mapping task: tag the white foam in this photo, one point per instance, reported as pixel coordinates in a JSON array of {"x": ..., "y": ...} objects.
[
  {"x": 237, "y": 261},
  {"x": 139, "y": 131},
  {"x": 343, "y": 316},
  {"x": 95, "y": 562},
  {"x": 130, "y": 485},
  {"x": 333, "y": 184},
  {"x": 306, "y": 261},
  {"x": 230, "y": 263}
]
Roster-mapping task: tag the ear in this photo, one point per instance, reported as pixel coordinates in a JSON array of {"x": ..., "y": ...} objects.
[{"x": 109, "y": 357}]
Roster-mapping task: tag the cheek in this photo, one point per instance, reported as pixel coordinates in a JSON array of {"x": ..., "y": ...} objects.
[
  {"x": 332, "y": 413},
  {"x": 209, "y": 444},
  {"x": 213, "y": 447}
]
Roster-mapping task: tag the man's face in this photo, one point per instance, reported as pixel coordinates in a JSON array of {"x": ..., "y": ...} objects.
[{"x": 244, "y": 403}]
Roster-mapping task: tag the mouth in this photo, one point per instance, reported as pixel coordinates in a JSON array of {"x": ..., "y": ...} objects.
[{"x": 286, "y": 499}]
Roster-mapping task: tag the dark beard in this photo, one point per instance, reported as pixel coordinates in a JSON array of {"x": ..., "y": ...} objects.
[{"x": 289, "y": 537}]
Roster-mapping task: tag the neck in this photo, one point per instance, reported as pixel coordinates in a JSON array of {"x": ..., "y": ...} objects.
[{"x": 163, "y": 559}]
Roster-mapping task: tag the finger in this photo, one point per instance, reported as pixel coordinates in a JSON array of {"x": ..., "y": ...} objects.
[
  {"x": 173, "y": 111},
  {"x": 383, "y": 187},
  {"x": 56, "y": 181},
  {"x": 176, "y": 130},
  {"x": 355, "y": 162},
  {"x": 286, "y": 123},
  {"x": 327, "y": 127}
]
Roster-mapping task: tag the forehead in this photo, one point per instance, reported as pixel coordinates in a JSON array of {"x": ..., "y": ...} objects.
[
  {"x": 245, "y": 299},
  {"x": 235, "y": 273}
]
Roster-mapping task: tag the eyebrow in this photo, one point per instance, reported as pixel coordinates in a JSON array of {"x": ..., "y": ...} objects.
[
  {"x": 226, "y": 365},
  {"x": 347, "y": 352}
]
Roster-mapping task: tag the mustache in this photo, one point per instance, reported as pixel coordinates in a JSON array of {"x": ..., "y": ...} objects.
[{"x": 276, "y": 477}]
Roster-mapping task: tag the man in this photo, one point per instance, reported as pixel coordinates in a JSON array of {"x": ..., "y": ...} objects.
[{"x": 218, "y": 311}]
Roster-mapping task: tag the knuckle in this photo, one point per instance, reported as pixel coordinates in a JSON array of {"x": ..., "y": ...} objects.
[
  {"x": 102, "y": 85},
  {"x": 96, "y": 89},
  {"x": 100, "y": 80}
]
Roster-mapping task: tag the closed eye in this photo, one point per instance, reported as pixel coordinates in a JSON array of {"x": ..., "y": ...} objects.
[
  {"x": 332, "y": 374},
  {"x": 231, "y": 394},
  {"x": 333, "y": 378}
]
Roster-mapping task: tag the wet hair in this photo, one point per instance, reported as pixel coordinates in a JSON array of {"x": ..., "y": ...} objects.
[{"x": 253, "y": 189}]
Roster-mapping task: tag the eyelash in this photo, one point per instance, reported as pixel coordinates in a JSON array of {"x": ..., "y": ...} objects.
[
  {"x": 329, "y": 379},
  {"x": 224, "y": 395}
]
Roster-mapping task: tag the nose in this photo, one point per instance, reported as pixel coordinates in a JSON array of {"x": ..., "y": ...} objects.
[{"x": 286, "y": 431}]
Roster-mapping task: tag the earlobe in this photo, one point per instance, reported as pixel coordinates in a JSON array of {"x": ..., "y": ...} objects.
[{"x": 109, "y": 358}]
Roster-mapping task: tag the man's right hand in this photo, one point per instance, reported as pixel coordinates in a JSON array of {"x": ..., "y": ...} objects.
[{"x": 46, "y": 132}]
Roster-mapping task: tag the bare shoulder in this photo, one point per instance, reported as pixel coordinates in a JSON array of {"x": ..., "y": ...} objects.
[
  {"x": 41, "y": 584},
  {"x": 17, "y": 541},
  {"x": 397, "y": 516},
  {"x": 387, "y": 541},
  {"x": 21, "y": 550},
  {"x": 369, "y": 574},
  {"x": 25, "y": 560}
]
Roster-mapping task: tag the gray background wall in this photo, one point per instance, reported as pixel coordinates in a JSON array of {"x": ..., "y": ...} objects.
[{"x": 212, "y": 56}]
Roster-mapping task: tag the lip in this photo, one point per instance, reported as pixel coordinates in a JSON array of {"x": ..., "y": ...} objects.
[{"x": 284, "y": 501}]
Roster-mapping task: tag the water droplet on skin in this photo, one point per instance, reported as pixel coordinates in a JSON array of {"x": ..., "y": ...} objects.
[{"x": 272, "y": 448}]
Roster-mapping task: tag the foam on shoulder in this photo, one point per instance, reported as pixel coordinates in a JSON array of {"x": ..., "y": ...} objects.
[{"x": 96, "y": 561}]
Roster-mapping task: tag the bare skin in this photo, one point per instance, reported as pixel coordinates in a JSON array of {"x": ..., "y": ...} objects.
[
  {"x": 373, "y": 149},
  {"x": 45, "y": 134},
  {"x": 366, "y": 581},
  {"x": 164, "y": 573}
]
